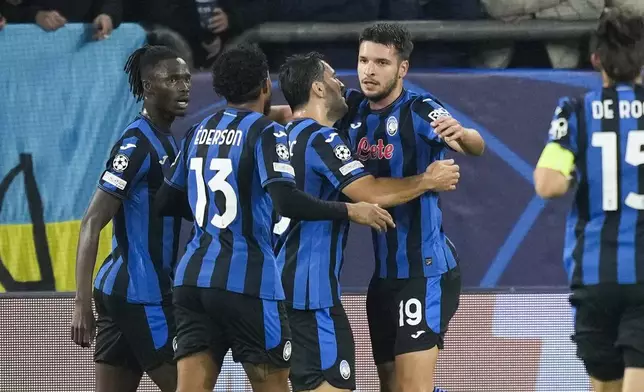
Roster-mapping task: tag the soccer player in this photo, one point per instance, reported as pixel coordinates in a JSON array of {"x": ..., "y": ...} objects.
[
  {"x": 228, "y": 292},
  {"x": 133, "y": 287},
  {"x": 596, "y": 141},
  {"x": 323, "y": 346}
]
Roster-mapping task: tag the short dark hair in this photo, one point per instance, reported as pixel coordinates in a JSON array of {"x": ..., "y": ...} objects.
[
  {"x": 619, "y": 43},
  {"x": 297, "y": 74},
  {"x": 238, "y": 73},
  {"x": 142, "y": 61},
  {"x": 390, "y": 34}
]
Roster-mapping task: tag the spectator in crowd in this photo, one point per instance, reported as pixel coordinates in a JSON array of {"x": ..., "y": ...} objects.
[
  {"x": 562, "y": 54},
  {"x": 3, "y": 21},
  {"x": 633, "y": 6},
  {"x": 51, "y": 15}
]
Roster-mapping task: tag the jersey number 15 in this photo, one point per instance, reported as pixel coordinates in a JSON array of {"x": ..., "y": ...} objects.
[
  {"x": 607, "y": 141},
  {"x": 223, "y": 167}
]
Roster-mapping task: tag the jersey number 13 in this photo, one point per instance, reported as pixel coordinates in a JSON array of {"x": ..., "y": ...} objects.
[{"x": 223, "y": 167}]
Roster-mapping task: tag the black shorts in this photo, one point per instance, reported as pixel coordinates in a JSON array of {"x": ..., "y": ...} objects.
[
  {"x": 255, "y": 329},
  {"x": 323, "y": 349},
  {"x": 408, "y": 315},
  {"x": 609, "y": 325},
  {"x": 134, "y": 336}
]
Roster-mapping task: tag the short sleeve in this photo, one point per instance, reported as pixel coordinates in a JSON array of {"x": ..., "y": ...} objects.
[
  {"x": 427, "y": 109},
  {"x": 334, "y": 160},
  {"x": 273, "y": 156},
  {"x": 127, "y": 165},
  {"x": 563, "y": 127},
  {"x": 178, "y": 171}
]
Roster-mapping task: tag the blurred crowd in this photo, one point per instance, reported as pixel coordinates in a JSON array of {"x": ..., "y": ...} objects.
[{"x": 200, "y": 29}]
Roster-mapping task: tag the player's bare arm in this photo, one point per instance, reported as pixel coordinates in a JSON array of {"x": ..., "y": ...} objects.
[
  {"x": 467, "y": 141},
  {"x": 387, "y": 192},
  {"x": 101, "y": 210},
  {"x": 292, "y": 203}
]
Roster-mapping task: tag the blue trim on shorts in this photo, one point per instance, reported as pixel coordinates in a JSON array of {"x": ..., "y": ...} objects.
[
  {"x": 272, "y": 325},
  {"x": 433, "y": 296},
  {"x": 326, "y": 338},
  {"x": 158, "y": 325}
]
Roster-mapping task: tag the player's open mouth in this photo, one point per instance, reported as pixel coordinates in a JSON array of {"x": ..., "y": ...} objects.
[{"x": 183, "y": 103}]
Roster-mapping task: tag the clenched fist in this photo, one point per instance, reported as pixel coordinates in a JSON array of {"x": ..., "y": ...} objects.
[{"x": 442, "y": 175}]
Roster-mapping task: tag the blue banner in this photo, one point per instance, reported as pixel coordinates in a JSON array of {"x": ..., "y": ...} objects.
[{"x": 65, "y": 100}]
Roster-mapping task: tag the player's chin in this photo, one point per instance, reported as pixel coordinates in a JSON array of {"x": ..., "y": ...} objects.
[{"x": 180, "y": 110}]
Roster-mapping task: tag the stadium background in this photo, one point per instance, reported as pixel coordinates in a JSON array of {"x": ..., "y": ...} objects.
[{"x": 65, "y": 103}]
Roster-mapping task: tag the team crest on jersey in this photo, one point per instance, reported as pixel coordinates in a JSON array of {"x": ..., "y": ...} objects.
[
  {"x": 392, "y": 125},
  {"x": 120, "y": 163},
  {"x": 342, "y": 152},
  {"x": 286, "y": 354},
  {"x": 282, "y": 151},
  {"x": 345, "y": 369}
]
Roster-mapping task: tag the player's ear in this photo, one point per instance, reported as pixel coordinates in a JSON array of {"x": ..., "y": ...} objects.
[
  {"x": 403, "y": 68},
  {"x": 266, "y": 88},
  {"x": 147, "y": 86},
  {"x": 318, "y": 89}
]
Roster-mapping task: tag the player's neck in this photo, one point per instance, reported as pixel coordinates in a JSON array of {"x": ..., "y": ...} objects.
[
  {"x": 162, "y": 121},
  {"x": 388, "y": 100},
  {"x": 254, "y": 106},
  {"x": 315, "y": 112}
]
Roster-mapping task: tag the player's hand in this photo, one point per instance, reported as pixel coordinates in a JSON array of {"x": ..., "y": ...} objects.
[
  {"x": 83, "y": 324},
  {"x": 103, "y": 27},
  {"x": 442, "y": 176},
  {"x": 370, "y": 215},
  {"x": 448, "y": 129},
  {"x": 219, "y": 21},
  {"x": 50, "y": 20}
]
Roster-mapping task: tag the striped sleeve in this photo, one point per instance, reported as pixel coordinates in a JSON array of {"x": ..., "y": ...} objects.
[
  {"x": 179, "y": 170},
  {"x": 333, "y": 158},
  {"x": 127, "y": 165},
  {"x": 272, "y": 155},
  {"x": 563, "y": 127},
  {"x": 427, "y": 109}
]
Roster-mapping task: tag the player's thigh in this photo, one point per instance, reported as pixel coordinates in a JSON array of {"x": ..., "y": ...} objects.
[
  {"x": 323, "y": 350},
  {"x": 630, "y": 337},
  {"x": 116, "y": 379},
  {"x": 425, "y": 308},
  {"x": 112, "y": 347},
  {"x": 200, "y": 341},
  {"x": 261, "y": 339},
  {"x": 597, "y": 313}
]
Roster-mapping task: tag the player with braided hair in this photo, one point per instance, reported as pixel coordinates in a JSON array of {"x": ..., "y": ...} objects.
[{"x": 132, "y": 290}]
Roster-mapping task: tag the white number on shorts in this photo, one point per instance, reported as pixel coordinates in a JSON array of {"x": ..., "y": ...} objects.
[{"x": 412, "y": 309}]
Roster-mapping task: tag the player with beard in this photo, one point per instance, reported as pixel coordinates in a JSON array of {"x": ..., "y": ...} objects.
[
  {"x": 234, "y": 166},
  {"x": 133, "y": 286},
  {"x": 595, "y": 141},
  {"x": 323, "y": 347},
  {"x": 416, "y": 285}
]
